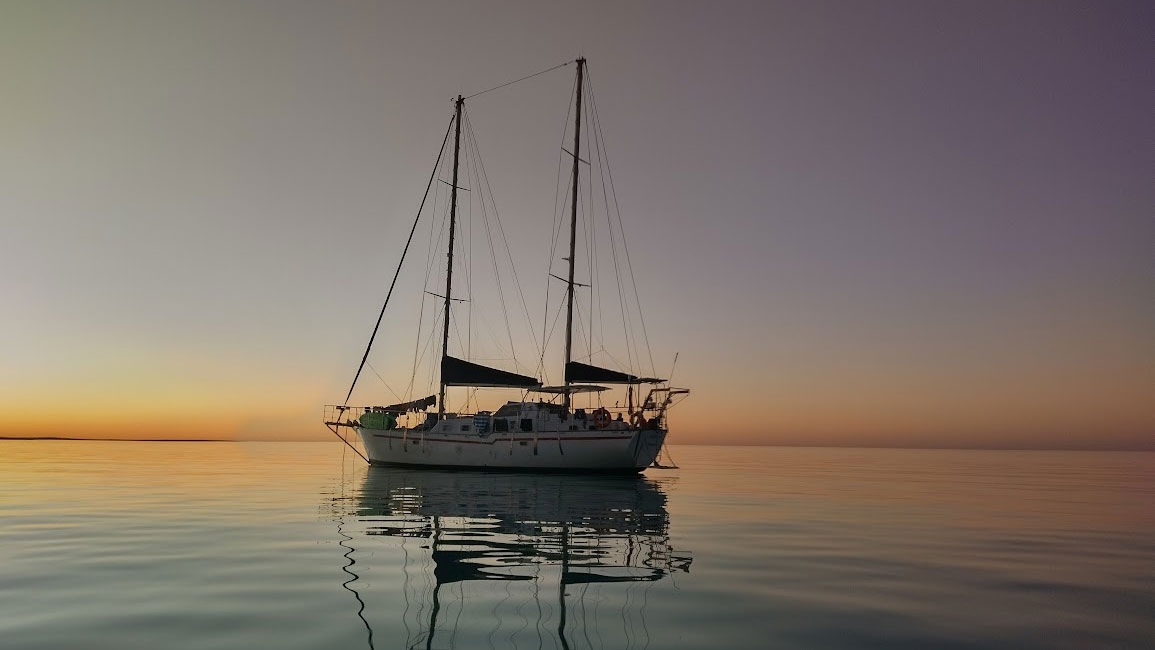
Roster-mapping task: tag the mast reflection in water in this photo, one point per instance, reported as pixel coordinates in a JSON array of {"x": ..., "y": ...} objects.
[{"x": 462, "y": 559}]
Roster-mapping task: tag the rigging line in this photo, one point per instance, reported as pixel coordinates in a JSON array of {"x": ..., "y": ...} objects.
[
  {"x": 504, "y": 239},
  {"x": 614, "y": 359},
  {"x": 504, "y": 311},
  {"x": 467, "y": 259},
  {"x": 596, "y": 294},
  {"x": 621, "y": 295},
  {"x": 489, "y": 331},
  {"x": 444, "y": 211},
  {"x": 558, "y": 223},
  {"x": 597, "y": 152},
  {"x": 556, "y": 236},
  {"x": 442, "y": 199},
  {"x": 627, "y": 325},
  {"x": 456, "y": 330},
  {"x": 423, "y": 349},
  {"x": 588, "y": 234},
  {"x": 591, "y": 257},
  {"x": 555, "y": 226},
  {"x": 397, "y": 273},
  {"x": 557, "y": 186},
  {"x": 584, "y": 218},
  {"x": 559, "y": 209},
  {"x": 605, "y": 199},
  {"x": 471, "y": 137},
  {"x": 454, "y": 318},
  {"x": 580, "y": 324},
  {"x": 629, "y": 264},
  {"x": 510, "y": 83},
  {"x": 432, "y": 260},
  {"x": 484, "y": 177},
  {"x": 493, "y": 359},
  {"x": 383, "y": 381},
  {"x": 553, "y": 327},
  {"x": 421, "y": 316}
]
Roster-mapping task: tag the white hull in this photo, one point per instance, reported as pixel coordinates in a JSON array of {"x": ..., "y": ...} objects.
[{"x": 607, "y": 450}]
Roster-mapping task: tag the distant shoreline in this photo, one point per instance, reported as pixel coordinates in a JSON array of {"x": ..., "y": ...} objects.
[{"x": 116, "y": 439}]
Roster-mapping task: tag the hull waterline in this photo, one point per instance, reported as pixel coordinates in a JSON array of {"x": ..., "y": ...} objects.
[{"x": 616, "y": 452}]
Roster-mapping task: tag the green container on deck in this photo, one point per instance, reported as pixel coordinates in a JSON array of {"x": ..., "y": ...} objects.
[{"x": 378, "y": 420}]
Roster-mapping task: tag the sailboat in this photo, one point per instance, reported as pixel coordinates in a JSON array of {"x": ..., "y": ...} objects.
[{"x": 544, "y": 430}]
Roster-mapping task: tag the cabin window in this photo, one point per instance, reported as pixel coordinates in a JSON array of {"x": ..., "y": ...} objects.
[
  {"x": 527, "y": 424},
  {"x": 501, "y": 425},
  {"x": 523, "y": 443},
  {"x": 465, "y": 427}
]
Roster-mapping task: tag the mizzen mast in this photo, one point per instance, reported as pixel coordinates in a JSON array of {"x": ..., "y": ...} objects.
[
  {"x": 449, "y": 265},
  {"x": 577, "y": 131}
]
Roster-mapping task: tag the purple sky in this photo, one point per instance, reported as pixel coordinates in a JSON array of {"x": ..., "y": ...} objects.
[{"x": 924, "y": 223}]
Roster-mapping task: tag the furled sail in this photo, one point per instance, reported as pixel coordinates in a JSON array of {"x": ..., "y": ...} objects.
[
  {"x": 456, "y": 372},
  {"x": 582, "y": 373}
]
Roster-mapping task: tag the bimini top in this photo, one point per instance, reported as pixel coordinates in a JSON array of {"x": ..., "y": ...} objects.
[{"x": 558, "y": 390}]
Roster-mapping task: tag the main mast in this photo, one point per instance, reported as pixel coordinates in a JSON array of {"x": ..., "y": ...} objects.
[
  {"x": 449, "y": 265},
  {"x": 577, "y": 132}
]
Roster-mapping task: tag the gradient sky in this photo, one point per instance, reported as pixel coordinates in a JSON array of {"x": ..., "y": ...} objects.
[{"x": 884, "y": 223}]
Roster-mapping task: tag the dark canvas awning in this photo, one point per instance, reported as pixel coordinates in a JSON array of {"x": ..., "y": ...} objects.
[
  {"x": 581, "y": 373},
  {"x": 415, "y": 405},
  {"x": 456, "y": 372}
]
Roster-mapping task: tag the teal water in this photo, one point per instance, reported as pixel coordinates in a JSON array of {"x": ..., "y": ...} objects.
[{"x": 295, "y": 545}]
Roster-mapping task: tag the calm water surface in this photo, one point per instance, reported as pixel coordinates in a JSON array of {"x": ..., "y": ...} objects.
[{"x": 286, "y": 545}]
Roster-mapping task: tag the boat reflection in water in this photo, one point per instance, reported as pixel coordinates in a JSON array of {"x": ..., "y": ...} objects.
[{"x": 506, "y": 560}]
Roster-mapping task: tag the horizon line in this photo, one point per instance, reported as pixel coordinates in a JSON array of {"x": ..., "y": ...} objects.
[{"x": 686, "y": 444}]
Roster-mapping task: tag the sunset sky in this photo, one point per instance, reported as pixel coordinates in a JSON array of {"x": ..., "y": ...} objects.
[{"x": 884, "y": 223}]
